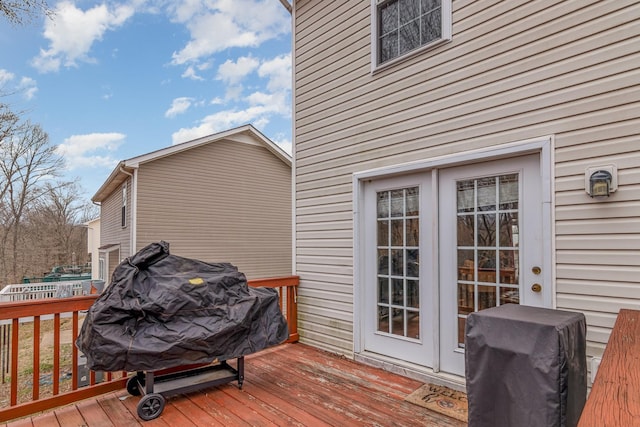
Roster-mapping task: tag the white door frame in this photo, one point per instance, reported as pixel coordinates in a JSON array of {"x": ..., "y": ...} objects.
[{"x": 542, "y": 145}]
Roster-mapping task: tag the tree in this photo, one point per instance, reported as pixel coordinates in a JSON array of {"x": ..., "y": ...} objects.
[
  {"x": 27, "y": 162},
  {"x": 41, "y": 217},
  {"x": 20, "y": 12},
  {"x": 56, "y": 223}
]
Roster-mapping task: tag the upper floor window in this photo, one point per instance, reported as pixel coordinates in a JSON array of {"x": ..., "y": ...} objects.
[
  {"x": 404, "y": 26},
  {"x": 124, "y": 205}
]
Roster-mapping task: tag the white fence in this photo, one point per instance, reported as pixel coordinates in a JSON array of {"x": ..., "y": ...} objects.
[{"x": 41, "y": 290}]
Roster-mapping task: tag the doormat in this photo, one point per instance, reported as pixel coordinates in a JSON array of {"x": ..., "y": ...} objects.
[{"x": 441, "y": 399}]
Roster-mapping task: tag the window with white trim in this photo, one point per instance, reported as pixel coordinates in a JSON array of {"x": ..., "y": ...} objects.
[
  {"x": 124, "y": 205},
  {"x": 406, "y": 26}
]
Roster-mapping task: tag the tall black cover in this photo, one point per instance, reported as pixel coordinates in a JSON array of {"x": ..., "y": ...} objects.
[
  {"x": 525, "y": 367},
  {"x": 162, "y": 311}
]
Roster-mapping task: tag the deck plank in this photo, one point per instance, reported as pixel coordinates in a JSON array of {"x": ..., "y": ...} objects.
[
  {"x": 361, "y": 405},
  {"x": 224, "y": 417},
  {"x": 93, "y": 414},
  {"x": 300, "y": 417},
  {"x": 250, "y": 399},
  {"x": 232, "y": 405},
  {"x": 354, "y": 372},
  {"x": 69, "y": 416},
  {"x": 173, "y": 417},
  {"x": 289, "y": 385},
  {"x": 45, "y": 420},
  {"x": 25, "y": 422},
  {"x": 116, "y": 411},
  {"x": 187, "y": 407}
]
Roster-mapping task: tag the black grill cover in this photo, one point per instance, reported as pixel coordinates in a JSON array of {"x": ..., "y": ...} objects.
[
  {"x": 525, "y": 367},
  {"x": 162, "y": 311}
]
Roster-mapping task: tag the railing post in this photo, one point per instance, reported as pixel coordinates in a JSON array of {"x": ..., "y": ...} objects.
[
  {"x": 14, "y": 362},
  {"x": 56, "y": 354},
  {"x": 74, "y": 352},
  {"x": 292, "y": 313},
  {"x": 36, "y": 357}
]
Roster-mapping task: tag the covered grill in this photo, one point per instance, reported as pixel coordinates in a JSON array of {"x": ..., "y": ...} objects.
[{"x": 163, "y": 311}]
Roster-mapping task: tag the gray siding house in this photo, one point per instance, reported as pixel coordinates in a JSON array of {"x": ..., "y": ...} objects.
[
  {"x": 221, "y": 198},
  {"x": 442, "y": 164}
]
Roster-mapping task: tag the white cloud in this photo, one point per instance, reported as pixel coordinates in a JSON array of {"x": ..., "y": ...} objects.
[
  {"x": 91, "y": 150},
  {"x": 258, "y": 115},
  {"x": 72, "y": 32},
  {"x": 233, "y": 72},
  {"x": 278, "y": 71},
  {"x": 190, "y": 73},
  {"x": 5, "y": 77},
  {"x": 107, "y": 93},
  {"x": 184, "y": 10},
  {"x": 178, "y": 106},
  {"x": 26, "y": 85},
  {"x": 277, "y": 101},
  {"x": 257, "y": 108},
  {"x": 29, "y": 87},
  {"x": 283, "y": 142},
  {"x": 243, "y": 23},
  {"x": 205, "y": 42}
]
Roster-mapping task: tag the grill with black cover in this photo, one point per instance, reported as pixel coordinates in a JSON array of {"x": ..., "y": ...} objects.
[{"x": 165, "y": 311}]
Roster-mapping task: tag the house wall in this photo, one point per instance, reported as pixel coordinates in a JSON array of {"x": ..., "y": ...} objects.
[
  {"x": 221, "y": 202},
  {"x": 111, "y": 230},
  {"x": 93, "y": 243},
  {"x": 513, "y": 71}
]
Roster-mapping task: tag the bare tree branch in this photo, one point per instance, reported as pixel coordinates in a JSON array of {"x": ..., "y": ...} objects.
[{"x": 19, "y": 12}]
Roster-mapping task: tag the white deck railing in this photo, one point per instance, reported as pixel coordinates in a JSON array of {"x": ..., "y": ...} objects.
[{"x": 41, "y": 290}]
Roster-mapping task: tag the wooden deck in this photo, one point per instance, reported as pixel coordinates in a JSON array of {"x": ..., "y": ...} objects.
[
  {"x": 614, "y": 399},
  {"x": 292, "y": 385}
]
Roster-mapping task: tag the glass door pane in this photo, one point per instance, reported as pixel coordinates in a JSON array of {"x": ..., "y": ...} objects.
[
  {"x": 398, "y": 272},
  {"x": 487, "y": 244}
]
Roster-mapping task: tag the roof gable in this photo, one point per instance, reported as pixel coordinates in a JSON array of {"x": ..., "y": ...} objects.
[{"x": 246, "y": 134}]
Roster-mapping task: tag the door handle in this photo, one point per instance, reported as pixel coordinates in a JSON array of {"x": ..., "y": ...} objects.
[{"x": 536, "y": 287}]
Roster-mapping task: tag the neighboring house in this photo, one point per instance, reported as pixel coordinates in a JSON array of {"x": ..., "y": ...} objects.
[
  {"x": 441, "y": 155},
  {"x": 93, "y": 243},
  {"x": 221, "y": 198}
]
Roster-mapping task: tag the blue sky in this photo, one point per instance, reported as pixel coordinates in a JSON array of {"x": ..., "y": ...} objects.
[{"x": 115, "y": 79}]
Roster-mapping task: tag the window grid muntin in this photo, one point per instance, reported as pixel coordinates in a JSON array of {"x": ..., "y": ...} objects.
[
  {"x": 427, "y": 8},
  {"x": 475, "y": 281},
  {"x": 385, "y": 215},
  {"x": 123, "y": 219}
]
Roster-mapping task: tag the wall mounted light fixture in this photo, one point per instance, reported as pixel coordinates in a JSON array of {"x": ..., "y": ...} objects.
[{"x": 601, "y": 181}]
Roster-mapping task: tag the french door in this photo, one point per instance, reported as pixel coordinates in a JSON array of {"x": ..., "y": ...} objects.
[
  {"x": 490, "y": 226},
  {"x": 441, "y": 244},
  {"x": 399, "y": 294}
]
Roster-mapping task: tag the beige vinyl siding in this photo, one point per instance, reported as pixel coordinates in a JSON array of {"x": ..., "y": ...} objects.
[
  {"x": 224, "y": 201},
  {"x": 111, "y": 230},
  {"x": 598, "y": 244},
  {"x": 513, "y": 71}
]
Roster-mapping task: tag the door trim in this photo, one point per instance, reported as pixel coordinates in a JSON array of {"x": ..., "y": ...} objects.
[{"x": 542, "y": 145}]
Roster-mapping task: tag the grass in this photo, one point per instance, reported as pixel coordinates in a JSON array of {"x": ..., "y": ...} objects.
[{"x": 25, "y": 362}]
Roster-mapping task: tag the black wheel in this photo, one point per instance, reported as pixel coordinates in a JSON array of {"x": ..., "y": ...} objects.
[
  {"x": 133, "y": 387},
  {"x": 150, "y": 406}
]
